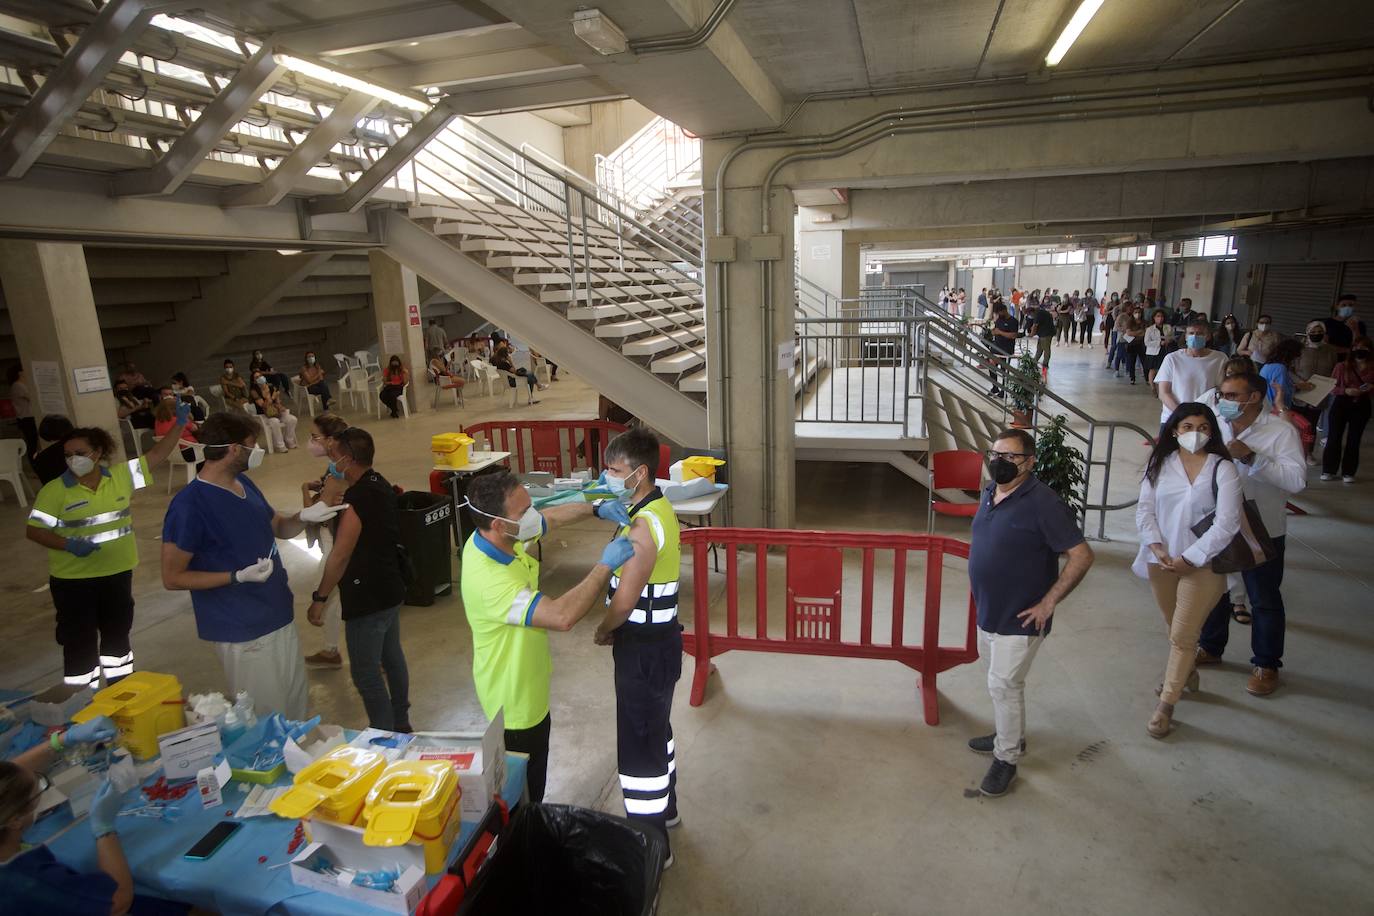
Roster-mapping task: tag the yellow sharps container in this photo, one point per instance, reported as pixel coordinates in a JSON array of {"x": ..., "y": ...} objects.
[
  {"x": 143, "y": 706},
  {"x": 415, "y": 801},
  {"x": 333, "y": 788}
]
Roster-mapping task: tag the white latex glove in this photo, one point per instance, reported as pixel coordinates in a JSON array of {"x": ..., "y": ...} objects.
[
  {"x": 319, "y": 512},
  {"x": 260, "y": 571}
]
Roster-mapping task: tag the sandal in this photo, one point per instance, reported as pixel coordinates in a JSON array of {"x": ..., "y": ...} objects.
[{"x": 1241, "y": 614}]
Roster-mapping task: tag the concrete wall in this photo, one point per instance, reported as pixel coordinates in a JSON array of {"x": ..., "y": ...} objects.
[
  {"x": 612, "y": 124},
  {"x": 1064, "y": 277},
  {"x": 523, "y": 127}
]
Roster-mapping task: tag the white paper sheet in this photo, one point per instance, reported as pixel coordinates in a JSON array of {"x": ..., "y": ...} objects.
[{"x": 1321, "y": 387}]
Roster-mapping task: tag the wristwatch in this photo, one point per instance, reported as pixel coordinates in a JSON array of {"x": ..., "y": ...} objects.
[{"x": 316, "y": 596}]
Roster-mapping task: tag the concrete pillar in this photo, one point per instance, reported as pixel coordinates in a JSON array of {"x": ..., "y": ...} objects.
[
  {"x": 751, "y": 404},
  {"x": 48, "y": 293},
  {"x": 396, "y": 303}
]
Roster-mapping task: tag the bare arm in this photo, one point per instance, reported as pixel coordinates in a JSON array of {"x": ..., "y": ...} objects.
[
  {"x": 1166, "y": 394},
  {"x": 345, "y": 540},
  {"x": 176, "y": 577},
  {"x": 48, "y": 539},
  {"x": 566, "y": 514},
  {"x": 162, "y": 449},
  {"x": 110, "y": 856},
  {"x": 287, "y": 526},
  {"x": 564, "y": 612},
  {"x": 633, "y": 577}
]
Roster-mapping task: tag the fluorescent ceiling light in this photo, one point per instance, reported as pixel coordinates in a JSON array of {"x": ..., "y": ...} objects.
[
  {"x": 288, "y": 251},
  {"x": 597, "y": 30},
  {"x": 1081, "y": 17},
  {"x": 346, "y": 81}
]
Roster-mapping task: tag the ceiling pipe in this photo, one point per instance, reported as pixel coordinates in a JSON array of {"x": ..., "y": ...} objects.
[
  {"x": 899, "y": 115},
  {"x": 683, "y": 41},
  {"x": 1055, "y": 116}
]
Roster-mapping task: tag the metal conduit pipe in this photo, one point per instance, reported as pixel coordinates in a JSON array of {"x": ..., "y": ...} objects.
[
  {"x": 684, "y": 41},
  {"x": 1053, "y": 116},
  {"x": 900, "y": 114}
]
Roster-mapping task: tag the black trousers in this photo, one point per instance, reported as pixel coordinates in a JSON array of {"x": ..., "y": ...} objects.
[
  {"x": 94, "y": 617},
  {"x": 389, "y": 395},
  {"x": 1349, "y": 416},
  {"x": 29, "y": 430},
  {"x": 535, "y": 742},
  {"x": 646, "y": 670}
]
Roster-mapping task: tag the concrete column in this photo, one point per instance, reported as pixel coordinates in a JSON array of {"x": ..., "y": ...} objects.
[
  {"x": 396, "y": 300},
  {"x": 751, "y": 404},
  {"x": 48, "y": 293}
]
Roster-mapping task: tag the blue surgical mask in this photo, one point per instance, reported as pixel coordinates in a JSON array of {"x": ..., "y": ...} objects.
[
  {"x": 334, "y": 472},
  {"x": 1345, "y": 311},
  {"x": 1229, "y": 410},
  {"x": 1196, "y": 342}
]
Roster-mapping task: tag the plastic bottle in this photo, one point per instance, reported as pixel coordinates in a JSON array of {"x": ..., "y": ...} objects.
[
  {"x": 243, "y": 705},
  {"x": 233, "y": 727}
]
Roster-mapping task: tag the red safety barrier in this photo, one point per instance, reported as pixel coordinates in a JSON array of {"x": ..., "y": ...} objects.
[
  {"x": 556, "y": 446},
  {"x": 814, "y": 606}
]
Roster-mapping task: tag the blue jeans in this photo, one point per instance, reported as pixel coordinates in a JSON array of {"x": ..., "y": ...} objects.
[
  {"x": 374, "y": 649},
  {"x": 1266, "y": 608}
]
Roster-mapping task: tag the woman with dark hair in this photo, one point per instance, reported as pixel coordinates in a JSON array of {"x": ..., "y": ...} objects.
[
  {"x": 1281, "y": 373},
  {"x": 83, "y": 519},
  {"x": 1158, "y": 336},
  {"x": 1227, "y": 337},
  {"x": 1189, "y": 475},
  {"x": 1349, "y": 411},
  {"x": 49, "y": 463},
  {"x": 328, "y": 488},
  {"x": 395, "y": 378}
]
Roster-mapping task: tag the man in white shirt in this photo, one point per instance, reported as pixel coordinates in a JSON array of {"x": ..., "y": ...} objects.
[
  {"x": 1186, "y": 374},
  {"x": 1268, "y": 454}
]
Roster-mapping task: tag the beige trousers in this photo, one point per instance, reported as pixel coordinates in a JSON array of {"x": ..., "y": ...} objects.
[{"x": 1185, "y": 600}]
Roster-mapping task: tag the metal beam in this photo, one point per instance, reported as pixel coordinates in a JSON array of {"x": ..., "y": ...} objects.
[
  {"x": 538, "y": 95},
  {"x": 79, "y": 73},
  {"x": 388, "y": 164},
  {"x": 390, "y": 27},
  {"x": 305, "y": 156},
  {"x": 176, "y": 165},
  {"x": 478, "y": 68}
]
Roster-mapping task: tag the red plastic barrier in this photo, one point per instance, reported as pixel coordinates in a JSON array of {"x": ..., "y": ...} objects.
[
  {"x": 556, "y": 446},
  {"x": 814, "y": 601}
]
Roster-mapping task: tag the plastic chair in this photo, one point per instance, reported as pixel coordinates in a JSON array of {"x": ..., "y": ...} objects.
[
  {"x": 366, "y": 360},
  {"x": 177, "y": 459},
  {"x": 515, "y": 388},
  {"x": 217, "y": 392},
  {"x": 401, "y": 402},
  {"x": 345, "y": 362},
  {"x": 542, "y": 373},
  {"x": 203, "y": 404},
  {"x": 445, "y": 383},
  {"x": 133, "y": 436},
  {"x": 485, "y": 374},
  {"x": 265, "y": 440},
  {"x": 954, "y": 470},
  {"x": 12, "y": 467}
]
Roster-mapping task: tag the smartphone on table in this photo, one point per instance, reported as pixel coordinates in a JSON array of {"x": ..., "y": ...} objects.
[{"x": 209, "y": 844}]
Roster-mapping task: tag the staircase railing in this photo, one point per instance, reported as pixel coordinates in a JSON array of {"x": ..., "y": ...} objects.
[{"x": 641, "y": 171}]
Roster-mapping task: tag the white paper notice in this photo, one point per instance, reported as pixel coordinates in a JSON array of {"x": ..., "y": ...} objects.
[
  {"x": 787, "y": 357},
  {"x": 1321, "y": 387},
  {"x": 820, "y": 252},
  {"x": 391, "y": 339},
  {"x": 91, "y": 378},
  {"x": 47, "y": 387}
]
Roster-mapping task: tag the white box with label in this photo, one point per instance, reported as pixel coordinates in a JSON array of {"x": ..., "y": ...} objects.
[
  {"x": 403, "y": 898},
  {"x": 479, "y": 759}
]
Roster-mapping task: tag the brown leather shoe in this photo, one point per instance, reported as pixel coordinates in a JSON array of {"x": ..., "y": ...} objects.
[
  {"x": 1263, "y": 681},
  {"x": 1206, "y": 658}
]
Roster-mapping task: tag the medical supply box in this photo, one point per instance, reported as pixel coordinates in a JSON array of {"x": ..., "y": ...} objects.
[
  {"x": 143, "y": 706},
  {"x": 451, "y": 450},
  {"x": 403, "y": 898},
  {"x": 334, "y": 787},
  {"x": 480, "y": 760},
  {"x": 694, "y": 466}
]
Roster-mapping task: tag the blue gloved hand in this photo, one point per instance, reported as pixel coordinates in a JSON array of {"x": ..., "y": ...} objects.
[
  {"x": 101, "y": 728},
  {"x": 183, "y": 413},
  {"x": 80, "y": 548},
  {"x": 105, "y": 809},
  {"x": 618, "y": 553},
  {"x": 612, "y": 510}
]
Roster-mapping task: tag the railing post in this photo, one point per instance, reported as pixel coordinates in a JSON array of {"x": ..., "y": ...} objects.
[{"x": 586, "y": 254}]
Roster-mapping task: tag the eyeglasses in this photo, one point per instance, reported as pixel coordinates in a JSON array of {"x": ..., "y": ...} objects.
[
  {"x": 1229, "y": 396},
  {"x": 1014, "y": 457}
]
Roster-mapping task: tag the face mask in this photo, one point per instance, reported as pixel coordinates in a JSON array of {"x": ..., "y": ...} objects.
[
  {"x": 617, "y": 485},
  {"x": 1360, "y": 354},
  {"x": 1345, "y": 311},
  {"x": 530, "y": 525},
  {"x": 310, "y": 360},
  {"x": 1314, "y": 339},
  {"x": 1003, "y": 470},
  {"x": 1196, "y": 342},
  {"x": 316, "y": 448},
  {"x": 257, "y": 380},
  {"x": 1228, "y": 410},
  {"x": 257, "y": 356},
  {"x": 228, "y": 370},
  {"x": 80, "y": 465},
  {"x": 1262, "y": 326},
  {"x": 333, "y": 470},
  {"x": 1193, "y": 440}
]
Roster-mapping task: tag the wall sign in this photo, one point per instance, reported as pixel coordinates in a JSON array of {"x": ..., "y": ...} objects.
[{"x": 90, "y": 379}]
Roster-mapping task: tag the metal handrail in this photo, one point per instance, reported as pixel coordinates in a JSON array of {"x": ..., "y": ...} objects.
[{"x": 901, "y": 339}]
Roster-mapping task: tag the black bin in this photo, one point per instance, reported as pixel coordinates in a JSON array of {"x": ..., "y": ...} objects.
[
  {"x": 571, "y": 861},
  {"x": 425, "y": 521}
]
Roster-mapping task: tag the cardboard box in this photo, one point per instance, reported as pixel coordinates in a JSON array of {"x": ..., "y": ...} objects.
[
  {"x": 392, "y": 745},
  {"x": 404, "y": 898},
  {"x": 349, "y": 850},
  {"x": 479, "y": 758},
  {"x": 311, "y": 746},
  {"x": 187, "y": 751}
]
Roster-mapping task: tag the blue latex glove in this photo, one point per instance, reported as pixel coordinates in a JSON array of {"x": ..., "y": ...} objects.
[
  {"x": 105, "y": 809},
  {"x": 101, "y": 728},
  {"x": 617, "y": 553},
  {"x": 80, "y": 548},
  {"x": 183, "y": 413},
  {"x": 612, "y": 510}
]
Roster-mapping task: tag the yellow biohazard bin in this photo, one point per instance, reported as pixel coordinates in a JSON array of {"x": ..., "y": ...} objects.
[
  {"x": 333, "y": 788},
  {"x": 451, "y": 450},
  {"x": 700, "y": 466},
  {"x": 143, "y": 706},
  {"x": 415, "y": 801}
]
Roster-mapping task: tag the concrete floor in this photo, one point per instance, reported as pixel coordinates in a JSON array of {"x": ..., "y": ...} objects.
[{"x": 811, "y": 785}]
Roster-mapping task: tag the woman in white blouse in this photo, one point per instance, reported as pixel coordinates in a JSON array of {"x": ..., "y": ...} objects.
[{"x": 1189, "y": 475}]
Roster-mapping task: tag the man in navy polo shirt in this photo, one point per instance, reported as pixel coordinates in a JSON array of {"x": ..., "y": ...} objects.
[{"x": 1021, "y": 530}]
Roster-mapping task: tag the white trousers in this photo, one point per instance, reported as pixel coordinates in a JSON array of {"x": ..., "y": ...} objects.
[
  {"x": 333, "y": 608},
  {"x": 1009, "y": 660},
  {"x": 270, "y": 668}
]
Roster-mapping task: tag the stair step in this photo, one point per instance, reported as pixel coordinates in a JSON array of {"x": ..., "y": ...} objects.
[
  {"x": 640, "y": 261},
  {"x": 680, "y": 362},
  {"x": 648, "y": 323},
  {"x": 599, "y": 274},
  {"x": 479, "y": 215},
  {"x": 605, "y": 290},
  {"x": 609, "y": 310},
  {"x": 651, "y": 346},
  {"x": 525, "y": 247},
  {"x": 694, "y": 383}
]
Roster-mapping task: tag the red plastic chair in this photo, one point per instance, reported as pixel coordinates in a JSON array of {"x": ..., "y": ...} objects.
[{"x": 955, "y": 470}]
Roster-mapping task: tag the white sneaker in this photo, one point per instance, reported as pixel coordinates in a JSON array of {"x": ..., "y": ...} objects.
[
  {"x": 669, "y": 864},
  {"x": 673, "y": 821},
  {"x": 1348, "y": 478},
  {"x": 1328, "y": 476}
]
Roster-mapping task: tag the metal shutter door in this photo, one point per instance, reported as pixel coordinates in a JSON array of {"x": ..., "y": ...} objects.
[
  {"x": 1357, "y": 278},
  {"x": 1294, "y": 294}
]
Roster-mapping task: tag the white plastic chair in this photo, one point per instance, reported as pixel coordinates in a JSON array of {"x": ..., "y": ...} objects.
[
  {"x": 365, "y": 386},
  {"x": 133, "y": 436},
  {"x": 217, "y": 392},
  {"x": 442, "y": 384},
  {"x": 485, "y": 374},
  {"x": 176, "y": 458},
  {"x": 515, "y": 389},
  {"x": 345, "y": 362},
  {"x": 542, "y": 373},
  {"x": 367, "y": 361},
  {"x": 203, "y": 404},
  {"x": 299, "y": 393},
  {"x": 401, "y": 402},
  {"x": 12, "y": 467},
  {"x": 265, "y": 439}
]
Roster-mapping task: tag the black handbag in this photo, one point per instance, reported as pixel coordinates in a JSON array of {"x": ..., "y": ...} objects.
[{"x": 1252, "y": 544}]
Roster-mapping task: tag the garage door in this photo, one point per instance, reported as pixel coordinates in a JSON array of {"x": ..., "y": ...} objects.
[
  {"x": 1358, "y": 278},
  {"x": 1294, "y": 294}
]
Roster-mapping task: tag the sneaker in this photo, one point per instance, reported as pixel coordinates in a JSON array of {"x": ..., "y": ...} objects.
[
  {"x": 983, "y": 745},
  {"x": 324, "y": 659},
  {"x": 1326, "y": 476},
  {"x": 673, "y": 821},
  {"x": 998, "y": 780},
  {"x": 1263, "y": 681},
  {"x": 668, "y": 864},
  {"x": 1348, "y": 478}
]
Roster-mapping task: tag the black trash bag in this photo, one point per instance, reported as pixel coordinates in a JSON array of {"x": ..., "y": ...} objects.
[{"x": 570, "y": 861}]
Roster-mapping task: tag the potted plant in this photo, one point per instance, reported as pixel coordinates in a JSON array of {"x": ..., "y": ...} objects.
[
  {"x": 1059, "y": 465},
  {"x": 1023, "y": 386}
]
